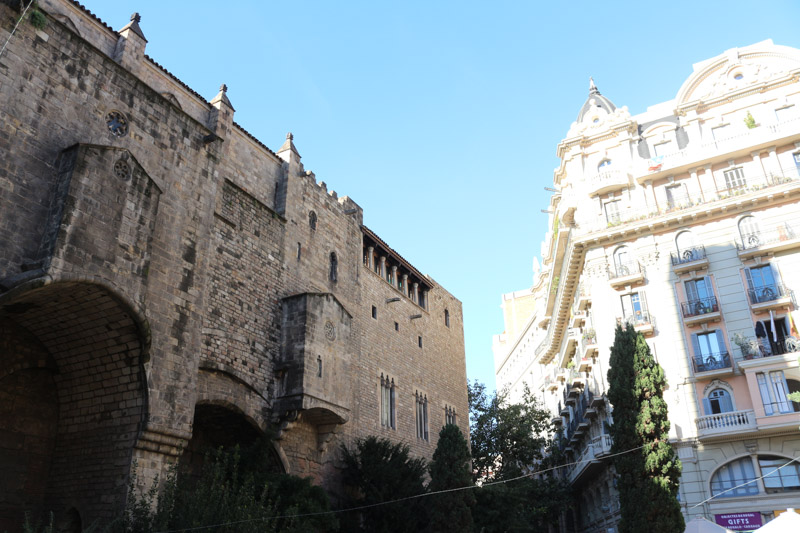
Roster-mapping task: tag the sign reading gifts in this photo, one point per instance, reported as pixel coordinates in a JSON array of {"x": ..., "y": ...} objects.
[{"x": 739, "y": 521}]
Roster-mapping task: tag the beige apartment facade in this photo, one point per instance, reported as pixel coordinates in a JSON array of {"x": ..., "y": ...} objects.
[{"x": 684, "y": 221}]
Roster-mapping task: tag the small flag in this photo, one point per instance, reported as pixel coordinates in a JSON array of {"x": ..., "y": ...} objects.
[
  {"x": 655, "y": 163},
  {"x": 772, "y": 325},
  {"x": 792, "y": 325}
]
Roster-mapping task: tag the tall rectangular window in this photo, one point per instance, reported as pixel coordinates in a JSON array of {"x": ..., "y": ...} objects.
[
  {"x": 634, "y": 309},
  {"x": 676, "y": 196},
  {"x": 774, "y": 392},
  {"x": 449, "y": 415},
  {"x": 422, "y": 415},
  {"x": 710, "y": 352},
  {"x": 612, "y": 212},
  {"x": 387, "y": 402},
  {"x": 734, "y": 179}
]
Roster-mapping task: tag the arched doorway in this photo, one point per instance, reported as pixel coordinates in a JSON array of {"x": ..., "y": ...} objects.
[
  {"x": 217, "y": 426},
  {"x": 73, "y": 398}
]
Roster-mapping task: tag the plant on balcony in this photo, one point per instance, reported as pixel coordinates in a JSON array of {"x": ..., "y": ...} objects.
[
  {"x": 589, "y": 334},
  {"x": 648, "y": 470},
  {"x": 749, "y": 121},
  {"x": 749, "y": 347}
]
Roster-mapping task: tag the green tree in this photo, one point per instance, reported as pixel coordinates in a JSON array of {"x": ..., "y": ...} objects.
[
  {"x": 508, "y": 440},
  {"x": 506, "y": 437},
  {"x": 379, "y": 470},
  {"x": 450, "y": 469},
  {"x": 648, "y": 476}
]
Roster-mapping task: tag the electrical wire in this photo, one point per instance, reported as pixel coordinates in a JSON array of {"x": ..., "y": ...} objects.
[
  {"x": 21, "y": 18},
  {"x": 745, "y": 483},
  {"x": 379, "y": 504}
]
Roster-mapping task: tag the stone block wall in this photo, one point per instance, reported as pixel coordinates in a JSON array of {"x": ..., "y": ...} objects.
[{"x": 148, "y": 245}]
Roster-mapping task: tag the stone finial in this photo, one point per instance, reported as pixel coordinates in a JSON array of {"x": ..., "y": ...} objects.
[
  {"x": 592, "y": 87},
  {"x": 133, "y": 27},
  {"x": 222, "y": 97},
  {"x": 288, "y": 148}
]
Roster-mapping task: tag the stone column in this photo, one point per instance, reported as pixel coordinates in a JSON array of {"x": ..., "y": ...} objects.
[
  {"x": 710, "y": 172},
  {"x": 370, "y": 257},
  {"x": 394, "y": 276},
  {"x": 696, "y": 178},
  {"x": 405, "y": 284},
  {"x": 773, "y": 154},
  {"x": 759, "y": 164},
  {"x": 415, "y": 294},
  {"x": 425, "y": 299},
  {"x": 650, "y": 195},
  {"x": 383, "y": 266}
]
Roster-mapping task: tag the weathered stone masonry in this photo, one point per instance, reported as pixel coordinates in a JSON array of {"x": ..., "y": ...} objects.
[{"x": 162, "y": 286}]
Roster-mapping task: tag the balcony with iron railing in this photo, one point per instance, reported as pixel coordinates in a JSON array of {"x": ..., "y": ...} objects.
[
  {"x": 607, "y": 181},
  {"x": 719, "y": 363},
  {"x": 587, "y": 348},
  {"x": 726, "y": 423},
  {"x": 700, "y": 311},
  {"x": 698, "y": 153},
  {"x": 590, "y": 457},
  {"x": 642, "y": 321},
  {"x": 751, "y": 185},
  {"x": 760, "y": 347},
  {"x": 582, "y": 297},
  {"x": 769, "y": 297},
  {"x": 623, "y": 274},
  {"x": 762, "y": 242},
  {"x": 687, "y": 259}
]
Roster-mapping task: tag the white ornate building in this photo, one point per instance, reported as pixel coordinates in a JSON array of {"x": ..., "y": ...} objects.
[{"x": 684, "y": 221}]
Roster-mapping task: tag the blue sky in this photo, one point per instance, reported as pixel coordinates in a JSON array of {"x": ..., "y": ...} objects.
[{"x": 441, "y": 119}]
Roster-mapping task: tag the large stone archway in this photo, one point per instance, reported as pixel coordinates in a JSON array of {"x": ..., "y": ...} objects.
[{"x": 73, "y": 400}]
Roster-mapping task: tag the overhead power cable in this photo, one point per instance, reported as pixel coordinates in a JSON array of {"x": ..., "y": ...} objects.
[
  {"x": 379, "y": 504},
  {"x": 21, "y": 18},
  {"x": 717, "y": 495}
]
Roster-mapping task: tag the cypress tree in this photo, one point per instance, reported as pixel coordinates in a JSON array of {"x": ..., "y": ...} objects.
[
  {"x": 648, "y": 477},
  {"x": 450, "y": 469}
]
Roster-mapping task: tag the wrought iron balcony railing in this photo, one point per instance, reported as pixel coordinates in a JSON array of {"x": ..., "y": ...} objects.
[
  {"x": 640, "y": 318},
  {"x": 767, "y": 346},
  {"x": 702, "y": 306},
  {"x": 767, "y": 293},
  {"x": 688, "y": 255},
  {"x": 619, "y": 270},
  {"x": 781, "y": 233},
  {"x": 711, "y": 361}
]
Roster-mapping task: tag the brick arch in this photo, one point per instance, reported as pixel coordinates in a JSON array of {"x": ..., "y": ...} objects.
[{"x": 84, "y": 344}]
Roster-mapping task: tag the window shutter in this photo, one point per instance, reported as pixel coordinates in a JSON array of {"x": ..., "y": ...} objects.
[
  {"x": 721, "y": 342},
  {"x": 691, "y": 290},
  {"x": 643, "y": 299},
  {"x": 749, "y": 277},
  {"x": 763, "y": 388},
  {"x": 725, "y": 403},
  {"x": 707, "y": 407},
  {"x": 696, "y": 345}
]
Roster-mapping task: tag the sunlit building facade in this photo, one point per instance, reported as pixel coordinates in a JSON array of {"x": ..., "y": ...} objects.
[{"x": 684, "y": 221}]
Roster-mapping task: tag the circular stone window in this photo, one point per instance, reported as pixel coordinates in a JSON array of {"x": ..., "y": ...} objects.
[
  {"x": 122, "y": 169},
  {"x": 330, "y": 330},
  {"x": 117, "y": 123},
  {"x": 738, "y": 76}
]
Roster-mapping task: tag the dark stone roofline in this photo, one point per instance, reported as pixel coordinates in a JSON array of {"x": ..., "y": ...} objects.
[
  {"x": 170, "y": 74},
  {"x": 422, "y": 277}
]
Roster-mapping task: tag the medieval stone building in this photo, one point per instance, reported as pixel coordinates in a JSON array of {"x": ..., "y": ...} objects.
[{"x": 168, "y": 282}]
